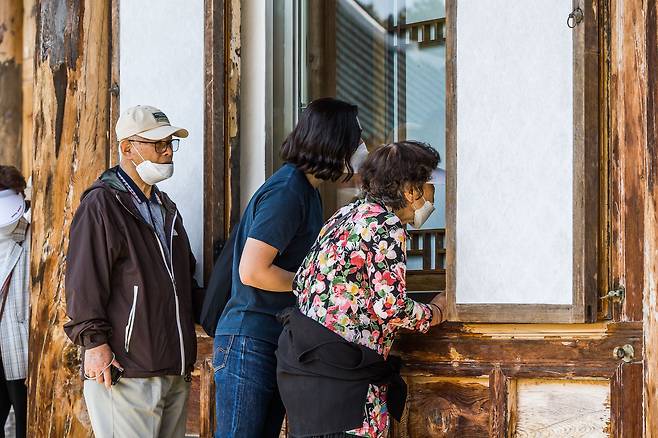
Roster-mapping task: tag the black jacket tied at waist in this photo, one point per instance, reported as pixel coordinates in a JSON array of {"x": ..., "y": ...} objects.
[{"x": 323, "y": 378}]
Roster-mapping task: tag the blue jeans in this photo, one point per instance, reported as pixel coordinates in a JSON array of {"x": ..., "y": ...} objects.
[{"x": 247, "y": 400}]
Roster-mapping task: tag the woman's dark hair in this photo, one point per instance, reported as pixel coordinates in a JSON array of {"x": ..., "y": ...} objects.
[
  {"x": 389, "y": 170},
  {"x": 324, "y": 139},
  {"x": 11, "y": 178}
]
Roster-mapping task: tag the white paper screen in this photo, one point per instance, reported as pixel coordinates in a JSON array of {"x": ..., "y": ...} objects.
[
  {"x": 514, "y": 211},
  {"x": 161, "y": 64}
]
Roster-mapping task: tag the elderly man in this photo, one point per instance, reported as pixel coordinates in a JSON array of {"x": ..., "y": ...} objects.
[{"x": 130, "y": 290}]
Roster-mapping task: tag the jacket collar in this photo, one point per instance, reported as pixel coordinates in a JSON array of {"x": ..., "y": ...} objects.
[{"x": 110, "y": 180}]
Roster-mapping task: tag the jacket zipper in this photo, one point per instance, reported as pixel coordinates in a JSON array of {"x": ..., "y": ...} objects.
[
  {"x": 131, "y": 320},
  {"x": 173, "y": 283},
  {"x": 171, "y": 277}
]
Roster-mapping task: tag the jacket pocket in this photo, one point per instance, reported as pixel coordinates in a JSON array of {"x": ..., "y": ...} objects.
[{"x": 131, "y": 320}]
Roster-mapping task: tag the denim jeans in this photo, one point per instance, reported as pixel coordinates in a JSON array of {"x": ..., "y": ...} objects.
[{"x": 247, "y": 400}]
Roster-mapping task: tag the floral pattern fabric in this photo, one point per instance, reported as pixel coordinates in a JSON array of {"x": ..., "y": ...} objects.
[{"x": 353, "y": 282}]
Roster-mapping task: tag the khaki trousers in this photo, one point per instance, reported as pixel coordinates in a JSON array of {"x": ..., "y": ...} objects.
[{"x": 154, "y": 407}]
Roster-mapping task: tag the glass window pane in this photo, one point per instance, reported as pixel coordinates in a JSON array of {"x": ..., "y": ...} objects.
[{"x": 387, "y": 57}]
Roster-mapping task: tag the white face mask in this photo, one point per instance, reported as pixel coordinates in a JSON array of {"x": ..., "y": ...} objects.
[
  {"x": 358, "y": 157},
  {"x": 152, "y": 173},
  {"x": 422, "y": 214}
]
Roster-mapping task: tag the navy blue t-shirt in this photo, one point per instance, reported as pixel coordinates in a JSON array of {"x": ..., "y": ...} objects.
[{"x": 286, "y": 213}]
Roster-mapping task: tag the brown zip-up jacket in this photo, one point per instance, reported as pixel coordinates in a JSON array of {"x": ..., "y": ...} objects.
[{"x": 120, "y": 289}]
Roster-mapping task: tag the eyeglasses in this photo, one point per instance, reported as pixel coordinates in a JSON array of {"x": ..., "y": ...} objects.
[{"x": 162, "y": 146}]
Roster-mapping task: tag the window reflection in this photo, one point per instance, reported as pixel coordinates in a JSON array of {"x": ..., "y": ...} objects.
[{"x": 387, "y": 57}]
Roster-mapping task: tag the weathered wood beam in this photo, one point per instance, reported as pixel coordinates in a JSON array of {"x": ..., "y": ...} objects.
[
  {"x": 11, "y": 48},
  {"x": 71, "y": 149},
  {"x": 214, "y": 146},
  {"x": 207, "y": 397},
  {"x": 29, "y": 37},
  {"x": 454, "y": 350},
  {"x": 627, "y": 142},
  {"x": 625, "y": 405},
  {"x": 651, "y": 222},
  {"x": 498, "y": 395}
]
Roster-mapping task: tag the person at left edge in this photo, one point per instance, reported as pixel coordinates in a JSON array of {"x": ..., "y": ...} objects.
[
  {"x": 130, "y": 291},
  {"x": 14, "y": 297}
]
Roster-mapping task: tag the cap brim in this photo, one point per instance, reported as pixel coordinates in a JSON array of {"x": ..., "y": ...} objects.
[
  {"x": 438, "y": 177},
  {"x": 163, "y": 132}
]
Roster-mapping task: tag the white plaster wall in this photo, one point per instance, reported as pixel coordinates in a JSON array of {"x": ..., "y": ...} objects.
[
  {"x": 514, "y": 152},
  {"x": 252, "y": 99},
  {"x": 161, "y": 57}
]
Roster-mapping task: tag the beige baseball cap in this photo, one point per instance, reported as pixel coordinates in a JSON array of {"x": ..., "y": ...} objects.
[{"x": 148, "y": 122}]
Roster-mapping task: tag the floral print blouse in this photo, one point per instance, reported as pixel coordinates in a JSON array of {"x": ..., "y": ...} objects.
[{"x": 353, "y": 282}]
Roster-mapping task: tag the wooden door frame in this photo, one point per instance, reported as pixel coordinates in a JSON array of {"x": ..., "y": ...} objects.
[
  {"x": 221, "y": 134},
  {"x": 585, "y": 190}
]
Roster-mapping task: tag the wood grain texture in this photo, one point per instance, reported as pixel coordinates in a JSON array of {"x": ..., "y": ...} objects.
[
  {"x": 451, "y": 158},
  {"x": 207, "y": 397},
  {"x": 651, "y": 226},
  {"x": 29, "y": 37},
  {"x": 114, "y": 89},
  {"x": 446, "y": 408},
  {"x": 627, "y": 84},
  {"x": 455, "y": 349},
  {"x": 71, "y": 147},
  {"x": 214, "y": 147},
  {"x": 558, "y": 409},
  {"x": 626, "y": 419},
  {"x": 232, "y": 107},
  {"x": 498, "y": 394},
  {"x": 11, "y": 58}
]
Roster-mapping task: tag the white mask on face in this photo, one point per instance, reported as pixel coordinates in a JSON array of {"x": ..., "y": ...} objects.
[
  {"x": 422, "y": 214},
  {"x": 358, "y": 157},
  {"x": 152, "y": 173}
]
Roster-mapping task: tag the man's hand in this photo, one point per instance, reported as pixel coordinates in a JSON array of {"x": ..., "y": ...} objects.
[
  {"x": 97, "y": 360},
  {"x": 441, "y": 301}
]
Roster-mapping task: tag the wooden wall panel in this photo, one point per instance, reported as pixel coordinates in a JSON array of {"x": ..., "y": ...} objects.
[
  {"x": 558, "y": 409},
  {"x": 11, "y": 109},
  {"x": 71, "y": 144},
  {"x": 445, "y": 408}
]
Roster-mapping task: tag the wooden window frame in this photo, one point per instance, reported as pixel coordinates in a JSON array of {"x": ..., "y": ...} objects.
[
  {"x": 585, "y": 190},
  {"x": 221, "y": 135}
]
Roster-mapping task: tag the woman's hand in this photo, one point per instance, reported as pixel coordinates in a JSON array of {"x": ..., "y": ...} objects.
[{"x": 440, "y": 301}]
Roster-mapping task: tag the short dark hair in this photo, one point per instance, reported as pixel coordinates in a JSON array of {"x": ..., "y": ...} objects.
[
  {"x": 324, "y": 139},
  {"x": 390, "y": 168},
  {"x": 11, "y": 178}
]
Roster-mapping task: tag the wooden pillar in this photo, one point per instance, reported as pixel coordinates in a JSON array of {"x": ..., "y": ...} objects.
[
  {"x": 651, "y": 223},
  {"x": 29, "y": 36},
  {"x": 633, "y": 102},
  {"x": 11, "y": 24},
  {"x": 71, "y": 100}
]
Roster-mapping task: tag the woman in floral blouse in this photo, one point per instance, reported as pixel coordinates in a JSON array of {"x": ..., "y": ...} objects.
[{"x": 353, "y": 280}]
